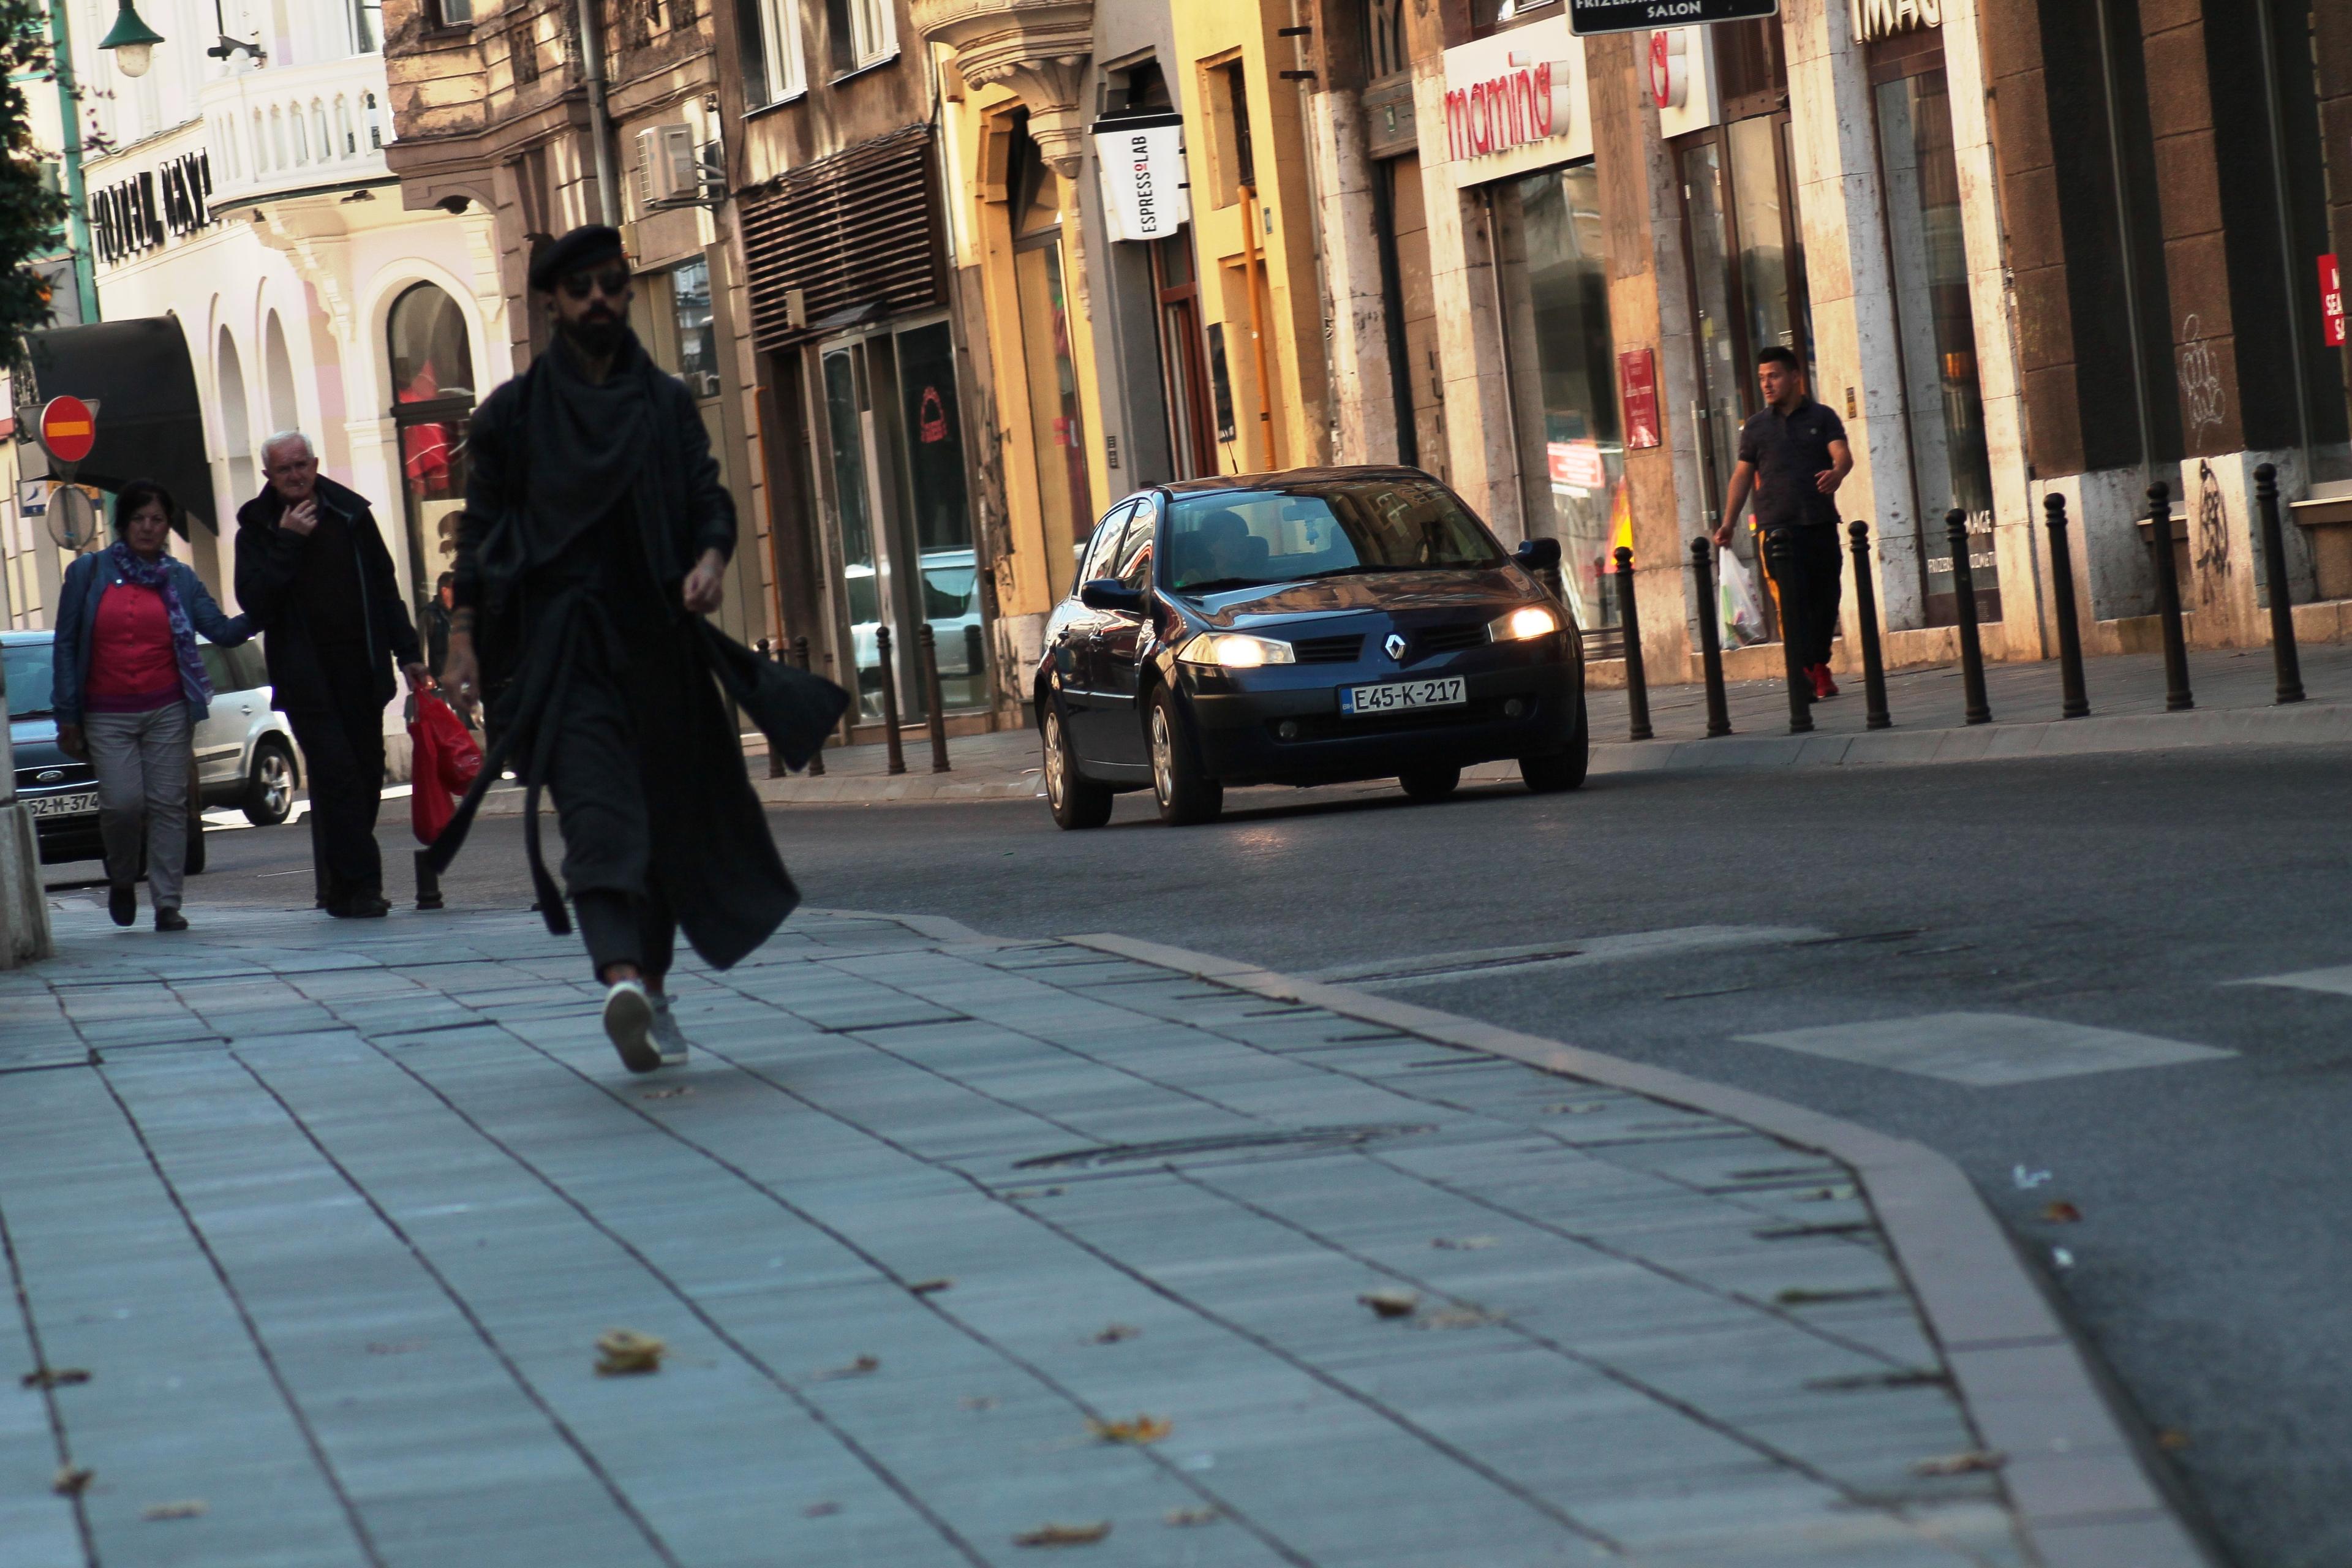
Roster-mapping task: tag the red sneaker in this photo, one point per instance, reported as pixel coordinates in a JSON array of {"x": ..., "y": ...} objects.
[{"x": 1823, "y": 685}]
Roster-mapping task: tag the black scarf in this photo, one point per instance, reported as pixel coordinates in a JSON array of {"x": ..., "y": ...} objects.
[{"x": 587, "y": 442}]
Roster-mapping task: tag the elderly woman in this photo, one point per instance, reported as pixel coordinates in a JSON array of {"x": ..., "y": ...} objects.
[{"x": 130, "y": 689}]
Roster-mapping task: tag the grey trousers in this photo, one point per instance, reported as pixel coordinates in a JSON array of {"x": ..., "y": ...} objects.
[{"x": 142, "y": 785}]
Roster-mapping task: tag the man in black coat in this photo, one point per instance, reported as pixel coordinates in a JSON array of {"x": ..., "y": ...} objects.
[
  {"x": 315, "y": 578},
  {"x": 595, "y": 536}
]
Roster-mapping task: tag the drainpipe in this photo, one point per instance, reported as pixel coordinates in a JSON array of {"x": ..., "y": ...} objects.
[
  {"x": 600, "y": 121},
  {"x": 77, "y": 198}
]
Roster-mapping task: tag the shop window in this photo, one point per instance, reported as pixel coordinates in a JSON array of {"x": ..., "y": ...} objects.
[
  {"x": 1191, "y": 427},
  {"x": 770, "y": 39},
  {"x": 1554, "y": 263},
  {"x": 432, "y": 402}
]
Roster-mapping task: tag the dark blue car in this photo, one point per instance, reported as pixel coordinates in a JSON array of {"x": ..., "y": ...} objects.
[{"x": 1304, "y": 627}]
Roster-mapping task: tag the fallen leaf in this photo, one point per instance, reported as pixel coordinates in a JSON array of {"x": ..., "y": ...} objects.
[
  {"x": 625, "y": 1352},
  {"x": 857, "y": 1368},
  {"x": 1463, "y": 1243},
  {"x": 2058, "y": 1211},
  {"x": 54, "y": 1377},
  {"x": 1391, "y": 1301},
  {"x": 676, "y": 1091},
  {"x": 187, "y": 1508},
  {"x": 1063, "y": 1534},
  {"x": 1182, "y": 1517},
  {"x": 1962, "y": 1464},
  {"x": 2171, "y": 1439},
  {"x": 1143, "y": 1429},
  {"x": 1114, "y": 1332},
  {"x": 71, "y": 1480},
  {"x": 1827, "y": 1195},
  {"x": 1457, "y": 1317},
  {"x": 1576, "y": 1108},
  {"x": 820, "y": 1510},
  {"x": 926, "y": 1287},
  {"x": 978, "y": 1402}
]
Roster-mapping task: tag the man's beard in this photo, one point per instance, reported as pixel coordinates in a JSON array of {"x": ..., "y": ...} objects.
[{"x": 597, "y": 337}]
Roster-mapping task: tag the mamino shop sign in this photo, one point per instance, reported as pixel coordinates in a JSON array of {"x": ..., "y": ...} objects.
[
  {"x": 1144, "y": 189},
  {"x": 1515, "y": 101}
]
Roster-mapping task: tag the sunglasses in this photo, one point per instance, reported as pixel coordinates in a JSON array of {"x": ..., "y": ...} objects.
[{"x": 613, "y": 280}]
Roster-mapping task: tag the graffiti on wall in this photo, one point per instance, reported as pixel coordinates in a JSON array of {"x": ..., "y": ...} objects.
[
  {"x": 2213, "y": 536},
  {"x": 2203, "y": 403}
]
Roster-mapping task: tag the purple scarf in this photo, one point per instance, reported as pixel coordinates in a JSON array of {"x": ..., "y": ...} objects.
[{"x": 157, "y": 574}]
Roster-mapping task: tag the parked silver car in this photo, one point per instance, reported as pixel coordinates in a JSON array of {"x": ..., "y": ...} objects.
[{"x": 245, "y": 755}]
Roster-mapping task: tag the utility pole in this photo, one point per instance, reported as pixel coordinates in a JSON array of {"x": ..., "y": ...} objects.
[{"x": 77, "y": 198}]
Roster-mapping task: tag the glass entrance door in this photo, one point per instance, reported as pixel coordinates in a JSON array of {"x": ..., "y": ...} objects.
[{"x": 849, "y": 439}]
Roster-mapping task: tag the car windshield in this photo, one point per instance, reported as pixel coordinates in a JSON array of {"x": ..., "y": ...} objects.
[
  {"x": 29, "y": 667},
  {"x": 1247, "y": 538}
]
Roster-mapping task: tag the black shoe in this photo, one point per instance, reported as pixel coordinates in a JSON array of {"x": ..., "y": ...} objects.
[
  {"x": 171, "y": 919},
  {"x": 365, "y": 907},
  {"x": 122, "y": 902}
]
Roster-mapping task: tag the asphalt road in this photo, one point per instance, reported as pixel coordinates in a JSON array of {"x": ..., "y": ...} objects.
[{"x": 2213, "y": 1255}]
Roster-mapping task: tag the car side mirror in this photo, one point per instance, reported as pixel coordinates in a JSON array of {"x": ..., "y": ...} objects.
[
  {"x": 1537, "y": 554},
  {"x": 1110, "y": 594}
]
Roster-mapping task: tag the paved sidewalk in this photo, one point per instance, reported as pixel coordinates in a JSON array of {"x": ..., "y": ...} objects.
[
  {"x": 333, "y": 1218},
  {"x": 2233, "y": 689}
]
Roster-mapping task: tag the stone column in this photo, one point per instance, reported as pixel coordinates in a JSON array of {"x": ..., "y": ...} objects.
[{"x": 1363, "y": 414}]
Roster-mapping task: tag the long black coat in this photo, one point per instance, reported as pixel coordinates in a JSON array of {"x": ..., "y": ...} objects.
[{"x": 266, "y": 559}]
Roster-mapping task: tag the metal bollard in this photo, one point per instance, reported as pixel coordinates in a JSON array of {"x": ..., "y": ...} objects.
[
  {"x": 1710, "y": 642},
  {"x": 2073, "y": 703},
  {"x": 1779, "y": 550},
  {"x": 2176, "y": 697},
  {"x": 927, "y": 640},
  {"x": 2282, "y": 654},
  {"x": 801, "y": 656},
  {"x": 1865, "y": 604},
  {"x": 1964, "y": 595},
  {"x": 428, "y": 886},
  {"x": 889, "y": 700},
  {"x": 1637, "y": 680}
]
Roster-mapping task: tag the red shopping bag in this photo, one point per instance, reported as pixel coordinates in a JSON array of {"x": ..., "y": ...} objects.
[{"x": 443, "y": 765}]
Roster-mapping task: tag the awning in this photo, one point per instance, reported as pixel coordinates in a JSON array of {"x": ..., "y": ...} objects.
[{"x": 149, "y": 426}]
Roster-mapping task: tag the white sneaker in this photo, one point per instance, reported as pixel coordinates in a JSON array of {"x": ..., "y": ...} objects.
[
  {"x": 667, "y": 1033},
  {"x": 629, "y": 1023}
]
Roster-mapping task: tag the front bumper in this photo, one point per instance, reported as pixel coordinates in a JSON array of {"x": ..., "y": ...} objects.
[{"x": 1289, "y": 730}]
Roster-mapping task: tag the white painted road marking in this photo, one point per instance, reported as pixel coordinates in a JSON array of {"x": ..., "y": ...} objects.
[
  {"x": 1479, "y": 962},
  {"x": 1987, "y": 1049},
  {"x": 2337, "y": 980}
]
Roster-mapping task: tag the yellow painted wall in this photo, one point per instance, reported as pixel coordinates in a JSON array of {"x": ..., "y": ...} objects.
[{"x": 1211, "y": 33}]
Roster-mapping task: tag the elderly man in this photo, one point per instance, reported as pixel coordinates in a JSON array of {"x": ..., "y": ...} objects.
[
  {"x": 313, "y": 576},
  {"x": 595, "y": 537}
]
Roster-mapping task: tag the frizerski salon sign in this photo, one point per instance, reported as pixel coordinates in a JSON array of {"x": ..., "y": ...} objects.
[
  {"x": 1143, "y": 183},
  {"x": 1514, "y": 100}
]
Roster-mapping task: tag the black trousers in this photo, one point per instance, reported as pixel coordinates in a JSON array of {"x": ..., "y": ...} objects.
[
  {"x": 1811, "y": 585},
  {"x": 342, "y": 746},
  {"x": 627, "y": 928}
]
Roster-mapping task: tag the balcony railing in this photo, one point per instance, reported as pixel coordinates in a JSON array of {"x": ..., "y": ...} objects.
[{"x": 293, "y": 128}]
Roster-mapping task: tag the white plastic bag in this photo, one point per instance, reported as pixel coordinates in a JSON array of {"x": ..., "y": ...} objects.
[{"x": 1739, "y": 601}]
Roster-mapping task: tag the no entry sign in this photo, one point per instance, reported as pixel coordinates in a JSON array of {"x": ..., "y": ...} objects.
[
  {"x": 68, "y": 429},
  {"x": 1632, "y": 15}
]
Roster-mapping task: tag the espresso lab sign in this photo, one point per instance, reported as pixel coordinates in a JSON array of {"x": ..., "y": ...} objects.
[
  {"x": 1143, "y": 183},
  {"x": 1515, "y": 101}
]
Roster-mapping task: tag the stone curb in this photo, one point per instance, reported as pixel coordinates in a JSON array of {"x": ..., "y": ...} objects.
[{"x": 2075, "y": 1472}]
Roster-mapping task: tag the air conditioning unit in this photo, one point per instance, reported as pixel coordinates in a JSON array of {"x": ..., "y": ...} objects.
[{"x": 665, "y": 169}]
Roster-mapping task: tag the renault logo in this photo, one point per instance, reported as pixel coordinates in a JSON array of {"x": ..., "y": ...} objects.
[
  {"x": 48, "y": 776},
  {"x": 1395, "y": 645}
]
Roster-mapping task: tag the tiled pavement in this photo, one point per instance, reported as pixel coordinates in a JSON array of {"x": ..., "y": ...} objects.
[{"x": 333, "y": 1218}]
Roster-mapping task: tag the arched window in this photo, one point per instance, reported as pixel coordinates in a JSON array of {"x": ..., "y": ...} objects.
[{"x": 432, "y": 362}]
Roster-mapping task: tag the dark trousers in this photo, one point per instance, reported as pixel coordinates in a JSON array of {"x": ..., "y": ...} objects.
[
  {"x": 343, "y": 747},
  {"x": 1811, "y": 585},
  {"x": 622, "y": 721},
  {"x": 627, "y": 928}
]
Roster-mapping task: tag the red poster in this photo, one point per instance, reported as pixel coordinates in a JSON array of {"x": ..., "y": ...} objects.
[
  {"x": 2331, "y": 302},
  {"x": 1637, "y": 378}
]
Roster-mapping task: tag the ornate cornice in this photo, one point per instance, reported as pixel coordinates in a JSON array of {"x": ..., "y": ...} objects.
[{"x": 1037, "y": 49}]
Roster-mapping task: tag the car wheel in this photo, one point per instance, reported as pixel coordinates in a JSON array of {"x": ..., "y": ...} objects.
[
  {"x": 1077, "y": 802},
  {"x": 1563, "y": 769},
  {"x": 269, "y": 790},
  {"x": 1431, "y": 783},
  {"x": 1186, "y": 795}
]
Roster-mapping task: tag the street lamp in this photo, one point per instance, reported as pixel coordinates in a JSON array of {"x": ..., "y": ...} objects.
[{"x": 132, "y": 41}]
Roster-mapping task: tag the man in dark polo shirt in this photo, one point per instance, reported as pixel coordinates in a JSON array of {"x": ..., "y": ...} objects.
[
  {"x": 314, "y": 575},
  {"x": 1793, "y": 456}
]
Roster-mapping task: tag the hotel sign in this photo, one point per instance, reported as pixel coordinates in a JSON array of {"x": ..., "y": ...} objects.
[
  {"x": 1515, "y": 101},
  {"x": 1144, "y": 189}
]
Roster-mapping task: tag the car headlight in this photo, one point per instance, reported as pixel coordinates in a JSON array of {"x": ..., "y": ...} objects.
[
  {"x": 1522, "y": 623},
  {"x": 1232, "y": 651}
]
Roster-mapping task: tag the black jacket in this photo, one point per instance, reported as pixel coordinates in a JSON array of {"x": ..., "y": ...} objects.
[{"x": 266, "y": 558}]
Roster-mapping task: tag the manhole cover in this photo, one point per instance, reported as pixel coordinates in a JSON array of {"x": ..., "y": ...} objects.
[{"x": 1168, "y": 1149}]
